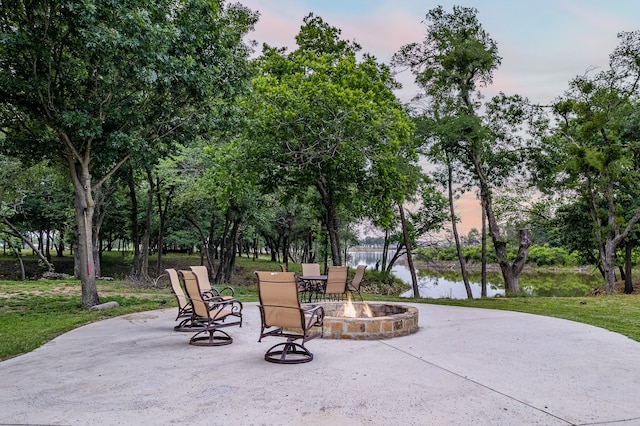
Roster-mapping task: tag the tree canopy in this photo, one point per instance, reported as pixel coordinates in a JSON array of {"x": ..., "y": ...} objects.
[
  {"x": 91, "y": 84},
  {"x": 320, "y": 117}
]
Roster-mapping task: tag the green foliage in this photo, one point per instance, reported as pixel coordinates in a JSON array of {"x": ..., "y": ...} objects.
[
  {"x": 456, "y": 55},
  {"x": 91, "y": 84},
  {"x": 115, "y": 77},
  {"x": 591, "y": 151},
  {"x": 552, "y": 256},
  {"x": 476, "y": 144},
  {"x": 321, "y": 118},
  {"x": 538, "y": 255}
]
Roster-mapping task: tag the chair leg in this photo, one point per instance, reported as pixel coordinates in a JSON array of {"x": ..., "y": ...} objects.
[
  {"x": 211, "y": 337},
  {"x": 291, "y": 353},
  {"x": 189, "y": 324}
]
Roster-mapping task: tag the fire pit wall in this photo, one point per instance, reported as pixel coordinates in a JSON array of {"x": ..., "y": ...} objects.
[{"x": 387, "y": 320}]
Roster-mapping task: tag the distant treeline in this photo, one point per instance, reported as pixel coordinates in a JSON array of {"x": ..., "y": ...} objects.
[{"x": 540, "y": 255}]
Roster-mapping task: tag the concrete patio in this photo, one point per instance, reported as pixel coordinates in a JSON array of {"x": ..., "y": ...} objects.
[{"x": 463, "y": 367}]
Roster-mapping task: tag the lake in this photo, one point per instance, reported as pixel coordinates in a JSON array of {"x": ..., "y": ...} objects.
[{"x": 439, "y": 285}]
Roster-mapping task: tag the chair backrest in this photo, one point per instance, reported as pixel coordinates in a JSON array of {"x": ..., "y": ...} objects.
[
  {"x": 336, "y": 280},
  {"x": 310, "y": 269},
  {"x": 202, "y": 273},
  {"x": 357, "y": 278},
  {"x": 278, "y": 293},
  {"x": 194, "y": 292},
  {"x": 177, "y": 288}
]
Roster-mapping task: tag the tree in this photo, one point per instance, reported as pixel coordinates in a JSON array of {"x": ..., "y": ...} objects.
[
  {"x": 595, "y": 151},
  {"x": 16, "y": 182},
  {"x": 456, "y": 58},
  {"x": 320, "y": 118},
  {"x": 91, "y": 84}
]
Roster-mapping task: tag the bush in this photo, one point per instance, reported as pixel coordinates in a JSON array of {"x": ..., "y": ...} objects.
[{"x": 539, "y": 255}]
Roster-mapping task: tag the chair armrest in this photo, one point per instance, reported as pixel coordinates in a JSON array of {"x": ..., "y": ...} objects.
[
  {"x": 219, "y": 292},
  {"x": 315, "y": 316},
  {"x": 220, "y": 308}
]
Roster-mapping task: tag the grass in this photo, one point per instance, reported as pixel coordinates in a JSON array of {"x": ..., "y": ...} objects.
[
  {"x": 618, "y": 313},
  {"x": 34, "y": 312}
]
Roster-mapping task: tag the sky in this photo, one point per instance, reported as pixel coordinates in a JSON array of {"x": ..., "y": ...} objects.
[{"x": 543, "y": 43}]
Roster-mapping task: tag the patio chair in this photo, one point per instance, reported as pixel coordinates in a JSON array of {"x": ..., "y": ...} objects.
[
  {"x": 185, "y": 310},
  {"x": 212, "y": 314},
  {"x": 310, "y": 288},
  {"x": 282, "y": 316},
  {"x": 336, "y": 287},
  {"x": 203, "y": 279},
  {"x": 354, "y": 285},
  {"x": 311, "y": 269}
]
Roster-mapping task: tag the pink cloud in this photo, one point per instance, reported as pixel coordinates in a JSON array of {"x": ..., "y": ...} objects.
[
  {"x": 469, "y": 210},
  {"x": 382, "y": 33},
  {"x": 596, "y": 19},
  {"x": 278, "y": 23}
]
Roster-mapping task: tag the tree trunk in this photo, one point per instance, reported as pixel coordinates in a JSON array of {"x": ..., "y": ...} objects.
[
  {"x": 60, "y": 246},
  {"x": 332, "y": 224},
  {"x": 16, "y": 251},
  {"x": 101, "y": 198},
  {"x": 84, "y": 207},
  {"x": 16, "y": 233},
  {"x": 230, "y": 263},
  {"x": 163, "y": 212},
  {"x": 609, "y": 266},
  {"x": 285, "y": 251},
  {"x": 608, "y": 252},
  {"x": 228, "y": 248},
  {"x": 454, "y": 228},
  {"x": 607, "y": 249},
  {"x": 612, "y": 236},
  {"x": 308, "y": 253},
  {"x": 483, "y": 249},
  {"x": 84, "y": 248},
  {"x": 407, "y": 243},
  {"x": 133, "y": 217},
  {"x": 334, "y": 237},
  {"x": 225, "y": 245},
  {"x": 273, "y": 250},
  {"x": 385, "y": 251},
  {"x": 510, "y": 272},
  {"x": 210, "y": 243},
  {"x": 145, "y": 249},
  {"x": 47, "y": 250},
  {"x": 203, "y": 246},
  {"x": 400, "y": 251}
]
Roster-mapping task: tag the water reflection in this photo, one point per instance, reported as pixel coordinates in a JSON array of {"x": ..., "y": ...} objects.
[
  {"x": 430, "y": 286},
  {"x": 438, "y": 287},
  {"x": 449, "y": 285}
]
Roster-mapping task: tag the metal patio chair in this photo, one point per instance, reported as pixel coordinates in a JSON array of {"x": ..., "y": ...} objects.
[
  {"x": 212, "y": 313},
  {"x": 354, "y": 285},
  {"x": 282, "y": 316},
  {"x": 336, "y": 287}
]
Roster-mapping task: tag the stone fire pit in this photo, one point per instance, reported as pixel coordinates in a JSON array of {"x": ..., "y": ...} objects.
[{"x": 387, "y": 320}]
